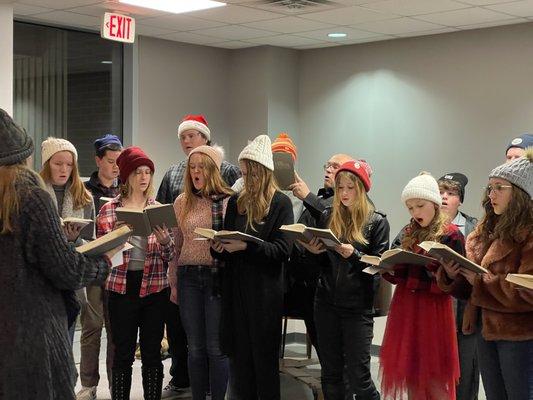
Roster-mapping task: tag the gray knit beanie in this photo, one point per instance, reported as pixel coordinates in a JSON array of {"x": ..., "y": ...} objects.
[
  {"x": 16, "y": 145},
  {"x": 519, "y": 172}
]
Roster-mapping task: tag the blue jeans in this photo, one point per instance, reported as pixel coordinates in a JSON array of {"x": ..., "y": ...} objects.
[{"x": 200, "y": 310}]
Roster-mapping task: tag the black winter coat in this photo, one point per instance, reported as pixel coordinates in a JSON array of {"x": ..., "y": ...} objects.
[{"x": 342, "y": 281}]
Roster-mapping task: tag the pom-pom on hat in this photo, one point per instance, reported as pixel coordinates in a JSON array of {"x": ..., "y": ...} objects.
[
  {"x": 359, "y": 169},
  {"x": 519, "y": 172},
  {"x": 284, "y": 144},
  {"x": 259, "y": 150},
  {"x": 215, "y": 153},
  {"x": 423, "y": 186},
  {"x": 196, "y": 122},
  {"x": 54, "y": 145},
  {"x": 130, "y": 159}
]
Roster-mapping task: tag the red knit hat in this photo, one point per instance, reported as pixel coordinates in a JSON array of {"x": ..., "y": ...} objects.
[
  {"x": 359, "y": 169},
  {"x": 284, "y": 144},
  {"x": 130, "y": 159},
  {"x": 197, "y": 122}
]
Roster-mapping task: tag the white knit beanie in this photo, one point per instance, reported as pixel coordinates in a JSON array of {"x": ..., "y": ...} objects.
[
  {"x": 259, "y": 150},
  {"x": 54, "y": 145},
  {"x": 423, "y": 186}
]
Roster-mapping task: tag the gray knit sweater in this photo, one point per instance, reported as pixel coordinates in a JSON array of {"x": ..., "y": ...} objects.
[{"x": 36, "y": 262}]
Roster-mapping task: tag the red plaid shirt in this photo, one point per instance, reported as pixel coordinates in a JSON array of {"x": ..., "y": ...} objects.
[
  {"x": 416, "y": 277},
  {"x": 155, "y": 275}
]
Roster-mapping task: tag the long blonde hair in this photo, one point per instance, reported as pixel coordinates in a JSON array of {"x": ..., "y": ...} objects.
[
  {"x": 9, "y": 195},
  {"x": 80, "y": 195},
  {"x": 348, "y": 223},
  {"x": 259, "y": 188},
  {"x": 415, "y": 234},
  {"x": 214, "y": 185}
]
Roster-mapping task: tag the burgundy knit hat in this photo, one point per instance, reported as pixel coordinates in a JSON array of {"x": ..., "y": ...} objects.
[
  {"x": 130, "y": 159},
  {"x": 359, "y": 169}
]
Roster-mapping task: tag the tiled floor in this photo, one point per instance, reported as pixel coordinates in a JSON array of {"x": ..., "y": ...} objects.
[{"x": 290, "y": 388}]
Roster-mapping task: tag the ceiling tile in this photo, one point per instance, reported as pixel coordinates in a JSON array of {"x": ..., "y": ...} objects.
[
  {"x": 284, "y": 41},
  {"x": 234, "y": 32},
  {"x": 347, "y": 16},
  {"x": 429, "y": 32},
  {"x": 467, "y": 16},
  {"x": 59, "y": 4},
  {"x": 234, "y": 14},
  {"x": 233, "y": 44},
  {"x": 99, "y": 9},
  {"x": 497, "y": 23},
  {"x": 189, "y": 37},
  {"x": 397, "y": 26},
  {"x": 319, "y": 45},
  {"x": 483, "y": 2},
  {"x": 288, "y": 25},
  {"x": 378, "y": 38},
  {"x": 147, "y": 30},
  {"x": 517, "y": 8},
  {"x": 25, "y": 9},
  {"x": 414, "y": 7},
  {"x": 68, "y": 19},
  {"x": 322, "y": 34},
  {"x": 180, "y": 22}
]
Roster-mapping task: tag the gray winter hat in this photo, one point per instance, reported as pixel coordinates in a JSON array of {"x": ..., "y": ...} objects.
[
  {"x": 519, "y": 172},
  {"x": 16, "y": 145}
]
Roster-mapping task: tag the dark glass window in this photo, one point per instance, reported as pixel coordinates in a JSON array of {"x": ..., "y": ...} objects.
[{"x": 67, "y": 84}]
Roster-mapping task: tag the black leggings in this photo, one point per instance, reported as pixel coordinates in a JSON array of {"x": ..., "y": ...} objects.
[{"x": 128, "y": 314}]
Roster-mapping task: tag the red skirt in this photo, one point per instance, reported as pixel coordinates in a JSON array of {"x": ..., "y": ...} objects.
[{"x": 419, "y": 357}]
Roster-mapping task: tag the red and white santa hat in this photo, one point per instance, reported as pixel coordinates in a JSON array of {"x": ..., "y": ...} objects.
[{"x": 196, "y": 122}]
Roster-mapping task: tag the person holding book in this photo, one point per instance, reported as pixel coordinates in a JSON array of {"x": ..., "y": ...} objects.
[
  {"x": 195, "y": 276},
  {"x": 62, "y": 180},
  {"x": 452, "y": 191},
  {"x": 137, "y": 289},
  {"x": 517, "y": 146},
  {"x": 252, "y": 286},
  {"x": 418, "y": 356},
  {"x": 103, "y": 182},
  {"x": 193, "y": 131},
  {"x": 345, "y": 294},
  {"x": 502, "y": 243},
  {"x": 38, "y": 264}
]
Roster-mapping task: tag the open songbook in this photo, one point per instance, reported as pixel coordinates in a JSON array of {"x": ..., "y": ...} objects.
[
  {"x": 144, "y": 221},
  {"x": 106, "y": 242},
  {"x": 392, "y": 257},
  {"x": 86, "y": 226},
  {"x": 207, "y": 233},
  {"x": 523, "y": 280},
  {"x": 440, "y": 250},
  {"x": 306, "y": 233}
]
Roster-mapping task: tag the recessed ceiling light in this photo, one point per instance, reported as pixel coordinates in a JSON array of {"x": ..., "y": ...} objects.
[
  {"x": 337, "y": 35},
  {"x": 176, "y": 7},
  {"x": 106, "y": 62}
]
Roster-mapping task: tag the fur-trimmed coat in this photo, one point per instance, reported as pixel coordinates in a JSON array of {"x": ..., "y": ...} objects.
[{"x": 506, "y": 310}]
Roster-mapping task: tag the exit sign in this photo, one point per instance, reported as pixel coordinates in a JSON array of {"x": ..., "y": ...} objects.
[{"x": 118, "y": 27}]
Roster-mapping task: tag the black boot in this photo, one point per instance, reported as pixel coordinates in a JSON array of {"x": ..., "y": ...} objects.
[
  {"x": 152, "y": 382},
  {"x": 121, "y": 384}
]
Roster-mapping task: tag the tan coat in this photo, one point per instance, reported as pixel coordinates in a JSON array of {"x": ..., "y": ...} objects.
[{"x": 506, "y": 311}]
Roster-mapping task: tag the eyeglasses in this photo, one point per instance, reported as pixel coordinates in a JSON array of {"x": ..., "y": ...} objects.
[
  {"x": 332, "y": 165},
  {"x": 497, "y": 188}
]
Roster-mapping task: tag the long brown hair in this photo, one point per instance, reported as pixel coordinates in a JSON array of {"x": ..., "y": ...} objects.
[
  {"x": 348, "y": 223},
  {"x": 80, "y": 195},
  {"x": 436, "y": 229},
  {"x": 259, "y": 188},
  {"x": 515, "y": 220},
  {"x": 9, "y": 196},
  {"x": 126, "y": 190},
  {"x": 214, "y": 185}
]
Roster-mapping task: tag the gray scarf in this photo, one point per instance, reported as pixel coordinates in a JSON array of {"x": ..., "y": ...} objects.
[{"x": 68, "y": 202}]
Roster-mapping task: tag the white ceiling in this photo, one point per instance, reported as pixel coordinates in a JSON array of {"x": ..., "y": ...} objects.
[{"x": 247, "y": 23}]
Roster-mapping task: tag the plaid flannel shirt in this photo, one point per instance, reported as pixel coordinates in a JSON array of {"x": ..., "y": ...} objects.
[
  {"x": 155, "y": 275},
  {"x": 172, "y": 184},
  {"x": 416, "y": 277}
]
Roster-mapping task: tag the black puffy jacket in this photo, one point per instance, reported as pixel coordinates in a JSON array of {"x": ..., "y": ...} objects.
[{"x": 342, "y": 281}]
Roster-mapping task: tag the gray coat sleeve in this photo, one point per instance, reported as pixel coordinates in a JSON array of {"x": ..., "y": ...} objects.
[{"x": 47, "y": 248}]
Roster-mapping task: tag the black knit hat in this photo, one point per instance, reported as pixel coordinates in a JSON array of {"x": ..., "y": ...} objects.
[
  {"x": 457, "y": 178},
  {"x": 16, "y": 145}
]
